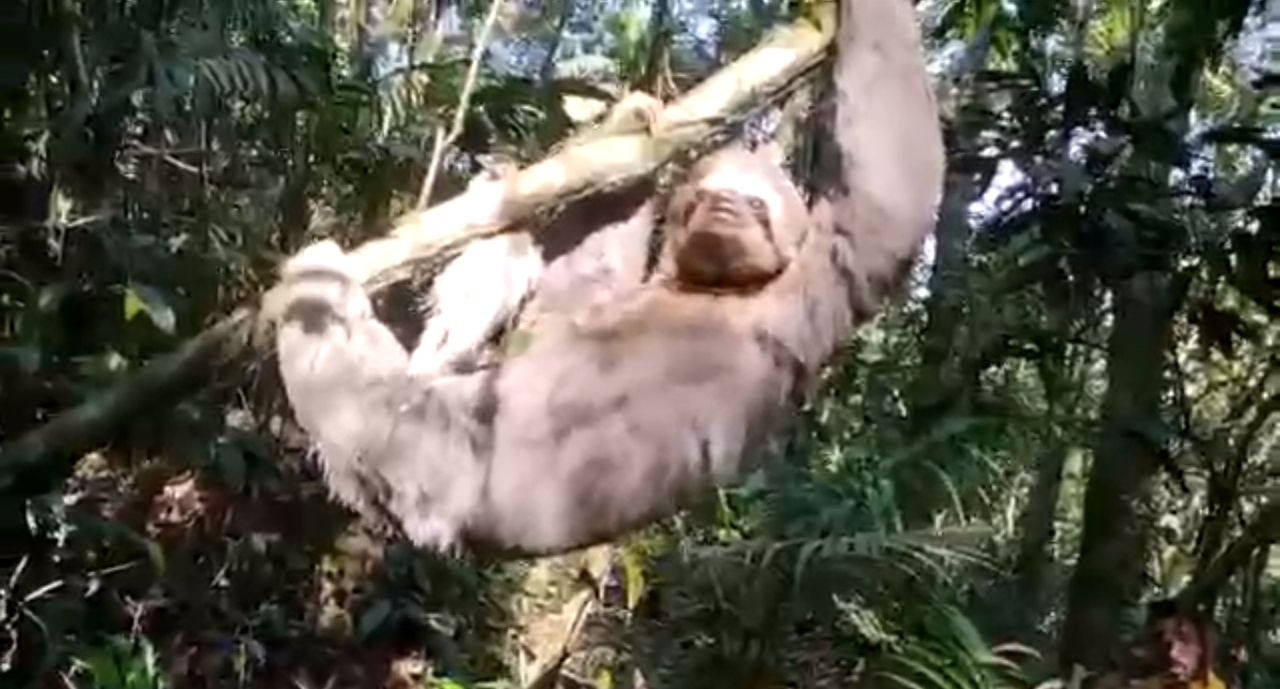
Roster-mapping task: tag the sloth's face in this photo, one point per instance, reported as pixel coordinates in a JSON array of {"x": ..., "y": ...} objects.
[
  {"x": 731, "y": 224},
  {"x": 728, "y": 241}
]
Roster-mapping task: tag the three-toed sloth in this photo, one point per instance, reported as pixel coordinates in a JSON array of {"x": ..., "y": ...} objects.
[{"x": 617, "y": 411}]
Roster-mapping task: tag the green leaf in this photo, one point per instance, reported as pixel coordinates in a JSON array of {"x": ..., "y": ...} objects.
[
  {"x": 26, "y": 359},
  {"x": 139, "y": 298},
  {"x": 230, "y": 460},
  {"x": 374, "y": 617},
  {"x": 633, "y": 576},
  {"x": 51, "y": 296}
]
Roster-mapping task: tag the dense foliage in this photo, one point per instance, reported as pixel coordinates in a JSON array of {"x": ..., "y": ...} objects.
[{"x": 1072, "y": 412}]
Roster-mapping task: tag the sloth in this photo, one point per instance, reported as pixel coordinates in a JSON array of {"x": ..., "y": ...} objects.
[{"x": 629, "y": 404}]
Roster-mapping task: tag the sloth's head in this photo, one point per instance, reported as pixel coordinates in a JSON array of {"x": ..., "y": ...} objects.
[{"x": 736, "y": 224}]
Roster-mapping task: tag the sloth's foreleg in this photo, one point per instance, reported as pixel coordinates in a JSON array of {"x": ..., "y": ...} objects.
[
  {"x": 405, "y": 451},
  {"x": 343, "y": 371}
]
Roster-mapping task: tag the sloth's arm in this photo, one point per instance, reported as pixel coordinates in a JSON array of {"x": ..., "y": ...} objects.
[{"x": 881, "y": 184}]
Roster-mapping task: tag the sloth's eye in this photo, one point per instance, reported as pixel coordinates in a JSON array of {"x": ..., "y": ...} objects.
[{"x": 757, "y": 204}]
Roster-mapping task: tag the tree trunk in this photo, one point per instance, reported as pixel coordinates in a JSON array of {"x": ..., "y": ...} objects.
[
  {"x": 1036, "y": 531},
  {"x": 1256, "y": 618},
  {"x": 950, "y": 359},
  {"x": 371, "y": 37},
  {"x": 1109, "y": 573},
  {"x": 940, "y": 380}
]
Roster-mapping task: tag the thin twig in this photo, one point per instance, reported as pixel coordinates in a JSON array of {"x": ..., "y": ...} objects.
[
  {"x": 166, "y": 156},
  {"x": 443, "y": 142}
]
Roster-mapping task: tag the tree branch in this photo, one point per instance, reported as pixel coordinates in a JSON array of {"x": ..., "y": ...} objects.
[
  {"x": 92, "y": 423},
  {"x": 443, "y": 140},
  {"x": 782, "y": 59},
  {"x": 1224, "y": 477},
  {"x": 1262, "y": 530}
]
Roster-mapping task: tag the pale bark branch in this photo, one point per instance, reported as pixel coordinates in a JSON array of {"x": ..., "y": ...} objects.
[
  {"x": 597, "y": 163},
  {"x": 782, "y": 60}
]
